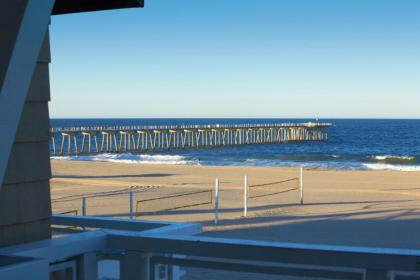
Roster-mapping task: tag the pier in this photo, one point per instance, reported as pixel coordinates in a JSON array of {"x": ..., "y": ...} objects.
[{"x": 143, "y": 139}]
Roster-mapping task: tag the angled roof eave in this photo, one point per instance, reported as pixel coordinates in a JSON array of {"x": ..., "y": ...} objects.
[{"x": 79, "y": 6}]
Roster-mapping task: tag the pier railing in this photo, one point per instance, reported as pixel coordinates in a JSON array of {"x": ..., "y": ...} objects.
[
  {"x": 183, "y": 126},
  {"x": 122, "y": 139}
]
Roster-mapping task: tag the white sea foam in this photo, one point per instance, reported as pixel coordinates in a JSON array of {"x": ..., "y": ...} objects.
[
  {"x": 384, "y": 166},
  {"x": 133, "y": 158},
  {"x": 393, "y": 157}
]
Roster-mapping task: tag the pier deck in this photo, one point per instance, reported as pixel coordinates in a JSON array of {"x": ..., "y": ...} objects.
[{"x": 137, "y": 139}]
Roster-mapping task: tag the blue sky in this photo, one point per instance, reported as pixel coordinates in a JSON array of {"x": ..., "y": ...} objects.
[{"x": 239, "y": 58}]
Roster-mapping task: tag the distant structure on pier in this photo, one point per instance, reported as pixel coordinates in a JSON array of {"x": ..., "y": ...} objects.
[{"x": 137, "y": 139}]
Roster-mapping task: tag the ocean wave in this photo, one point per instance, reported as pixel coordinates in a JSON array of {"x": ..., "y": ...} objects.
[
  {"x": 336, "y": 165},
  {"x": 309, "y": 157},
  {"x": 133, "y": 158},
  {"x": 393, "y": 159},
  {"x": 385, "y": 166}
]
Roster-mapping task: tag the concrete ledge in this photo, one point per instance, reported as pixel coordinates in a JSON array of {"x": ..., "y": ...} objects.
[
  {"x": 24, "y": 268},
  {"x": 107, "y": 223}
]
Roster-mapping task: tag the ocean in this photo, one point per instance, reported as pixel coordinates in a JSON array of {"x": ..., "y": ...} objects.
[{"x": 356, "y": 144}]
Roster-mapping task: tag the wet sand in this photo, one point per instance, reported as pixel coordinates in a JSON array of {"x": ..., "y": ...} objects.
[{"x": 360, "y": 208}]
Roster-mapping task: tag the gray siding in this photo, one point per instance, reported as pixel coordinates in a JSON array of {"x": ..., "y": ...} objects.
[{"x": 25, "y": 205}]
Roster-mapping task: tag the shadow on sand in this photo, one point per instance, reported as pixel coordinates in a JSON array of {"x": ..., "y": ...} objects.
[
  {"x": 150, "y": 175},
  {"x": 371, "y": 224},
  {"x": 268, "y": 207}
]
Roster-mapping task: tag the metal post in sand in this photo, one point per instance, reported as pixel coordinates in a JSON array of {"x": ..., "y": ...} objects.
[
  {"x": 301, "y": 186},
  {"x": 216, "y": 202},
  {"x": 246, "y": 196},
  {"x": 131, "y": 206},
  {"x": 84, "y": 206}
]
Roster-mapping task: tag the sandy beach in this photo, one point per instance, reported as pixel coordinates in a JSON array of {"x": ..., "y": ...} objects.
[{"x": 359, "y": 208}]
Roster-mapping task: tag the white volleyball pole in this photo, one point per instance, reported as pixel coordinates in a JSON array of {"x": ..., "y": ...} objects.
[
  {"x": 84, "y": 207},
  {"x": 216, "y": 202},
  {"x": 301, "y": 185},
  {"x": 131, "y": 205},
  {"x": 245, "y": 196}
]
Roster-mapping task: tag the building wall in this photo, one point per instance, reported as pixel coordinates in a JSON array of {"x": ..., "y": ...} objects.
[{"x": 25, "y": 205}]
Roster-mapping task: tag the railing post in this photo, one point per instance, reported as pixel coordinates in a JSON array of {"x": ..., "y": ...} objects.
[
  {"x": 84, "y": 207},
  {"x": 131, "y": 205},
  {"x": 246, "y": 196},
  {"x": 376, "y": 274},
  {"x": 216, "y": 202},
  {"x": 87, "y": 266},
  {"x": 135, "y": 265},
  {"x": 301, "y": 186}
]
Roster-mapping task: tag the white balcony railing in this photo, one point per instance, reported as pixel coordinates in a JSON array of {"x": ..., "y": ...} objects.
[{"x": 133, "y": 249}]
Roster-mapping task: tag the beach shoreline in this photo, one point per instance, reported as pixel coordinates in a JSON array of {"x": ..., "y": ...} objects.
[{"x": 376, "y": 163}]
